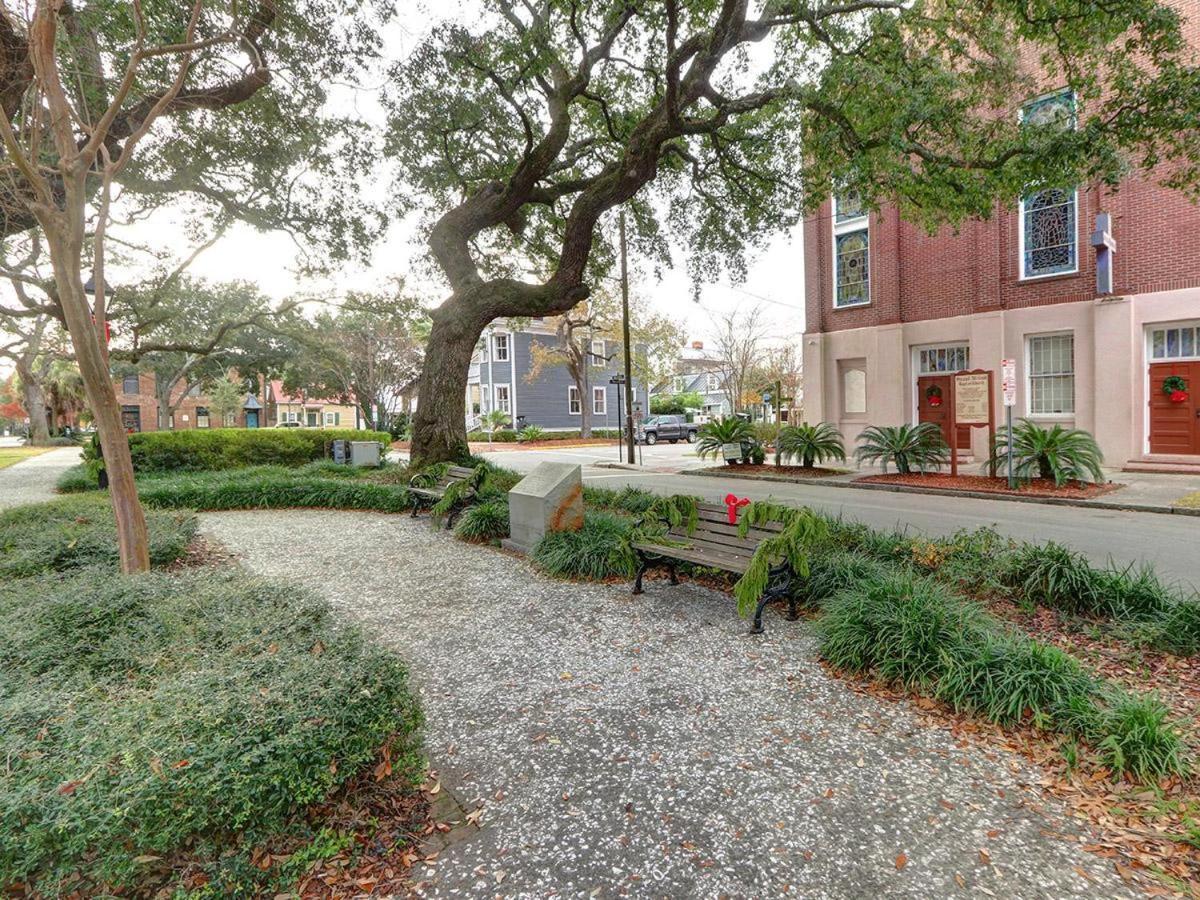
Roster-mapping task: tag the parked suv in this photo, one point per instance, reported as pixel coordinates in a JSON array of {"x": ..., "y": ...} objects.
[{"x": 667, "y": 428}]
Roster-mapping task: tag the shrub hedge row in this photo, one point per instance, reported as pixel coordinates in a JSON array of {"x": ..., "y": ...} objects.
[
  {"x": 271, "y": 487},
  {"x": 230, "y": 448},
  {"x": 509, "y": 436}
]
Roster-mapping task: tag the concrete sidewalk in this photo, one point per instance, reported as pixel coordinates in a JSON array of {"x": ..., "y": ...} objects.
[{"x": 32, "y": 480}]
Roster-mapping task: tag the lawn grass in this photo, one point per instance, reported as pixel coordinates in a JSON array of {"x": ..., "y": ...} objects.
[
  {"x": 1187, "y": 501},
  {"x": 10, "y": 456}
]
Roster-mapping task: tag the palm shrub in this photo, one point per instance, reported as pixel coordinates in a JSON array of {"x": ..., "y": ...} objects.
[
  {"x": 811, "y": 444},
  {"x": 918, "y": 446},
  {"x": 531, "y": 433},
  {"x": 1061, "y": 454},
  {"x": 712, "y": 436}
]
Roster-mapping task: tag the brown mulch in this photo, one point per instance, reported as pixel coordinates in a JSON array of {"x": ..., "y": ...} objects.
[
  {"x": 1040, "y": 487},
  {"x": 202, "y": 552}
]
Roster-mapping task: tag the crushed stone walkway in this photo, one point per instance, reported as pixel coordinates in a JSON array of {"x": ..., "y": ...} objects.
[
  {"x": 32, "y": 480},
  {"x": 647, "y": 746}
]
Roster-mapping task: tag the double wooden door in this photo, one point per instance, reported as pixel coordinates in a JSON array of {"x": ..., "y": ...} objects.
[{"x": 1175, "y": 426}]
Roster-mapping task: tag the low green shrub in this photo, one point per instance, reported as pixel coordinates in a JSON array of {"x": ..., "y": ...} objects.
[
  {"x": 1175, "y": 628},
  {"x": 905, "y": 628},
  {"x": 1134, "y": 735},
  {"x": 1055, "y": 576},
  {"x": 531, "y": 433},
  {"x": 1005, "y": 678},
  {"x": 205, "y": 449},
  {"x": 597, "y": 551},
  {"x": 632, "y": 500},
  {"x": 511, "y": 436},
  {"x": 74, "y": 532},
  {"x": 271, "y": 487},
  {"x": 833, "y": 572},
  {"x": 1061, "y": 454},
  {"x": 485, "y": 522},
  {"x": 141, "y": 716},
  {"x": 76, "y": 480}
]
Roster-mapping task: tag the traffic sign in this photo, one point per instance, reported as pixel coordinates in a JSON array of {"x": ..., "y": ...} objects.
[{"x": 1008, "y": 381}]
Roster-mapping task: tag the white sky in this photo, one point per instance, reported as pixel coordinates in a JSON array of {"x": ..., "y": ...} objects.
[{"x": 775, "y": 279}]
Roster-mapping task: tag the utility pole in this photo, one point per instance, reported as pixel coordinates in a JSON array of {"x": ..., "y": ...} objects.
[{"x": 625, "y": 334}]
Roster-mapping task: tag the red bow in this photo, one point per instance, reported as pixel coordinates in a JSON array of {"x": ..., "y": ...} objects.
[{"x": 733, "y": 504}]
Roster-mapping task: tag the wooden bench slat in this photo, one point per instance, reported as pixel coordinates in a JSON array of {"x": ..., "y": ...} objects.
[
  {"x": 721, "y": 518},
  {"x": 699, "y": 543},
  {"x": 754, "y": 533},
  {"x": 731, "y": 542},
  {"x": 705, "y": 557}
]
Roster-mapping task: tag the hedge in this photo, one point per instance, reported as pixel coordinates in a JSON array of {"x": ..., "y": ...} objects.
[
  {"x": 272, "y": 487},
  {"x": 147, "y": 716},
  {"x": 232, "y": 448},
  {"x": 509, "y": 436}
]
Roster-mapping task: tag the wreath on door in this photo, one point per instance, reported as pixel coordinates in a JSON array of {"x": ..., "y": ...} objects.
[
  {"x": 933, "y": 395},
  {"x": 1175, "y": 388}
]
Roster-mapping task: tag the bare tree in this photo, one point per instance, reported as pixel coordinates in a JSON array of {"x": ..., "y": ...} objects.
[{"x": 739, "y": 348}]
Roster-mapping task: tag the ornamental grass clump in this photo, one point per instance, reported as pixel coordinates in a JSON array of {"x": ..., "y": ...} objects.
[
  {"x": 1055, "y": 576},
  {"x": 270, "y": 487},
  {"x": 484, "y": 523},
  {"x": 598, "y": 551},
  {"x": 78, "y": 532},
  {"x": 632, "y": 500},
  {"x": 146, "y": 716},
  {"x": 1134, "y": 735},
  {"x": 832, "y": 572},
  {"x": 904, "y": 628}
]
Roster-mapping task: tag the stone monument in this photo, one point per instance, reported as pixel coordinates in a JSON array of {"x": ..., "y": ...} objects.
[{"x": 550, "y": 498}]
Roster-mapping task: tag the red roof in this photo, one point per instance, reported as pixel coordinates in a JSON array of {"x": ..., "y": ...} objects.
[{"x": 279, "y": 396}]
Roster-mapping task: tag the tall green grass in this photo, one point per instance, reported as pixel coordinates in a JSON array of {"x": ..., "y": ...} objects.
[{"x": 597, "y": 551}]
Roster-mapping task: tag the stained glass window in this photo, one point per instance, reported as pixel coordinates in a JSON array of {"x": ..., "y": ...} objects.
[
  {"x": 1052, "y": 375},
  {"x": 1052, "y": 109},
  {"x": 1175, "y": 343},
  {"x": 849, "y": 206},
  {"x": 852, "y": 268},
  {"x": 1049, "y": 232},
  {"x": 943, "y": 359}
]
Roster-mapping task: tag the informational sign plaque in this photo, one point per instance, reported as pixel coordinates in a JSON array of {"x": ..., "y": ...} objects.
[{"x": 972, "y": 403}]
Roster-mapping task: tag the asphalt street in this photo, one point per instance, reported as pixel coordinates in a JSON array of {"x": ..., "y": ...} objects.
[{"x": 1171, "y": 543}]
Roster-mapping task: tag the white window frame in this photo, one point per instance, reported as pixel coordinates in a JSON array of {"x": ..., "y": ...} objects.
[
  {"x": 601, "y": 394},
  {"x": 712, "y": 383},
  {"x": 597, "y": 356},
  {"x": 1030, "y": 376},
  {"x": 203, "y": 420},
  {"x": 1169, "y": 326},
  {"x": 501, "y": 399},
  {"x": 574, "y": 404},
  {"x": 500, "y": 347},
  {"x": 1021, "y": 240},
  {"x": 137, "y": 380},
  {"x": 858, "y": 223},
  {"x": 330, "y": 419}
]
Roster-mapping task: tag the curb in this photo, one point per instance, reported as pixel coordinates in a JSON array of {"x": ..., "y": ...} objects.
[{"x": 944, "y": 492}]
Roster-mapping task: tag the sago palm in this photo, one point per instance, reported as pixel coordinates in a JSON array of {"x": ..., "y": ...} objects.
[
  {"x": 715, "y": 434},
  {"x": 1064, "y": 454},
  {"x": 811, "y": 444},
  {"x": 908, "y": 446}
]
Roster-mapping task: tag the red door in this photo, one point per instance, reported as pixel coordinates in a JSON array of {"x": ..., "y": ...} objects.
[
  {"x": 1175, "y": 426},
  {"x": 933, "y": 405}
]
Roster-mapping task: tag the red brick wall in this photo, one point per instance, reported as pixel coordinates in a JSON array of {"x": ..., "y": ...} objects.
[
  {"x": 915, "y": 276},
  {"x": 148, "y": 406}
]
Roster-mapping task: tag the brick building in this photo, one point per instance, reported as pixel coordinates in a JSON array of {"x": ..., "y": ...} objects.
[
  {"x": 890, "y": 310},
  {"x": 139, "y": 407}
]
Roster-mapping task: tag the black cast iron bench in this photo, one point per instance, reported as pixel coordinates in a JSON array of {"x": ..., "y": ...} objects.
[
  {"x": 429, "y": 494},
  {"x": 715, "y": 544}
]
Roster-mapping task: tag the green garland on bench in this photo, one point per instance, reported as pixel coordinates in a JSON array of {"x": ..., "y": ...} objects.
[
  {"x": 456, "y": 492},
  {"x": 664, "y": 514},
  {"x": 801, "y": 530}
]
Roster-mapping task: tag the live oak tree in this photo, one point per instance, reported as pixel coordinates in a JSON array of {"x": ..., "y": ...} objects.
[
  {"x": 725, "y": 120},
  {"x": 85, "y": 90}
]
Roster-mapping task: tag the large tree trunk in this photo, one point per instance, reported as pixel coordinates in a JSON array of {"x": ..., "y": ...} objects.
[
  {"x": 439, "y": 428},
  {"x": 64, "y": 236},
  {"x": 34, "y": 400}
]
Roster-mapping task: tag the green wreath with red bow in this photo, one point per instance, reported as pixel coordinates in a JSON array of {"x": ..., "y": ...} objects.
[{"x": 1176, "y": 388}]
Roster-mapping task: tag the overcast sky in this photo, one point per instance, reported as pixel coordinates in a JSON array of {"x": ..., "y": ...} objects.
[{"x": 775, "y": 279}]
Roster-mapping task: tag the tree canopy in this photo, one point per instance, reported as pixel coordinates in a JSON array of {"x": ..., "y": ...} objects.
[{"x": 725, "y": 121}]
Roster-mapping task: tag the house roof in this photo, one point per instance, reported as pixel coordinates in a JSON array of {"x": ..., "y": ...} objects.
[{"x": 277, "y": 395}]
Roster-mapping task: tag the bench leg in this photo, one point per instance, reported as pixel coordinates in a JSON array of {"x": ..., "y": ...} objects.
[
  {"x": 416, "y": 508},
  {"x": 453, "y": 514},
  {"x": 757, "y": 626},
  {"x": 643, "y": 565},
  {"x": 671, "y": 571}
]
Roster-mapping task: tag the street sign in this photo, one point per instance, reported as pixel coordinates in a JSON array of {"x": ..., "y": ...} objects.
[{"x": 1008, "y": 381}]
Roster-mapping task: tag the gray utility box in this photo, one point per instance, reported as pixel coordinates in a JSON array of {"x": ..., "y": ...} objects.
[
  {"x": 364, "y": 453},
  {"x": 340, "y": 451}
]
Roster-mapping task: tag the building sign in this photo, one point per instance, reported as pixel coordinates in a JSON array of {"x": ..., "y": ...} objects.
[
  {"x": 971, "y": 401},
  {"x": 1008, "y": 381}
]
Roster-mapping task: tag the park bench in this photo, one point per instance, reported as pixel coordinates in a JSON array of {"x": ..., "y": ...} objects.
[
  {"x": 429, "y": 494},
  {"x": 715, "y": 544}
]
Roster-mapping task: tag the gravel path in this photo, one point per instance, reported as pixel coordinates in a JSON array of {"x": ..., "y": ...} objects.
[
  {"x": 32, "y": 480},
  {"x": 648, "y": 747}
]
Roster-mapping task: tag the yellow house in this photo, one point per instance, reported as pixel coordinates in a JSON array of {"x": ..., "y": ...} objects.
[{"x": 307, "y": 412}]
